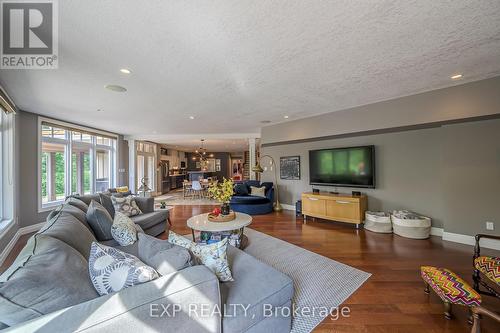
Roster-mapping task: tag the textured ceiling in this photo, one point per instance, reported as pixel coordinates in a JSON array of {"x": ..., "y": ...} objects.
[{"x": 232, "y": 64}]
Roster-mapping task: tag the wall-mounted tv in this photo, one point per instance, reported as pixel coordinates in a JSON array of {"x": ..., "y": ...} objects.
[{"x": 347, "y": 167}]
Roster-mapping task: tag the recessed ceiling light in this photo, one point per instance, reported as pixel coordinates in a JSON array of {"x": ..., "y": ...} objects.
[
  {"x": 265, "y": 121},
  {"x": 116, "y": 88},
  {"x": 191, "y": 117},
  {"x": 286, "y": 117},
  {"x": 125, "y": 71},
  {"x": 457, "y": 76}
]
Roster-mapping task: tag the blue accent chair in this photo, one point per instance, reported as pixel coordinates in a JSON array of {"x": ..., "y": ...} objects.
[{"x": 251, "y": 204}]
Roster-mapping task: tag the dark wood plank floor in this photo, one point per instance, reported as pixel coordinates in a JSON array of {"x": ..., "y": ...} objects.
[{"x": 392, "y": 300}]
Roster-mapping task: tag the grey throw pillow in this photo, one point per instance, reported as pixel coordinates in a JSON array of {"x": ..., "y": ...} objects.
[
  {"x": 162, "y": 255},
  {"x": 52, "y": 277},
  {"x": 100, "y": 221},
  {"x": 78, "y": 203},
  {"x": 107, "y": 203},
  {"x": 112, "y": 270}
]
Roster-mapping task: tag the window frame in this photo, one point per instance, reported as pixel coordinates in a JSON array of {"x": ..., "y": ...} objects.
[
  {"x": 7, "y": 171},
  {"x": 68, "y": 157},
  {"x": 146, "y": 153}
]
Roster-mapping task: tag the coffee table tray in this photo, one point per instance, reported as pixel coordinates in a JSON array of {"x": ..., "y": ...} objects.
[{"x": 221, "y": 218}]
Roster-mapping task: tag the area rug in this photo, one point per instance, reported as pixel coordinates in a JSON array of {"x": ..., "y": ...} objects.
[{"x": 318, "y": 281}]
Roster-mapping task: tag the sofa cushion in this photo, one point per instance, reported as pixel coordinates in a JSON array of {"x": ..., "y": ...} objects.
[
  {"x": 148, "y": 220},
  {"x": 249, "y": 200},
  {"x": 162, "y": 255},
  {"x": 267, "y": 185},
  {"x": 78, "y": 203},
  {"x": 255, "y": 284},
  {"x": 53, "y": 277},
  {"x": 107, "y": 203},
  {"x": 87, "y": 198},
  {"x": 112, "y": 270},
  {"x": 255, "y": 183},
  {"x": 100, "y": 221},
  {"x": 123, "y": 230},
  {"x": 240, "y": 189},
  {"x": 68, "y": 229}
]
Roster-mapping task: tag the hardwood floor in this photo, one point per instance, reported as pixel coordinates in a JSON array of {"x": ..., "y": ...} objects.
[{"x": 392, "y": 300}]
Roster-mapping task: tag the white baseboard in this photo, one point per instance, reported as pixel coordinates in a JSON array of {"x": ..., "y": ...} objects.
[
  {"x": 470, "y": 240},
  {"x": 15, "y": 238},
  {"x": 288, "y": 207},
  {"x": 437, "y": 231}
]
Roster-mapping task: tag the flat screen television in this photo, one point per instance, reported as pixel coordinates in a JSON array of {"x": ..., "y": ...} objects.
[{"x": 347, "y": 167}]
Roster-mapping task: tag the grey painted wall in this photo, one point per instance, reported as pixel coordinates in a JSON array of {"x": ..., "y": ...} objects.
[
  {"x": 470, "y": 176},
  {"x": 450, "y": 173},
  {"x": 28, "y": 173},
  {"x": 476, "y": 99},
  {"x": 406, "y": 165}
]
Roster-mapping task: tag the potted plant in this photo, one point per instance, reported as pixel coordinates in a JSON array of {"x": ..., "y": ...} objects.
[{"x": 222, "y": 192}]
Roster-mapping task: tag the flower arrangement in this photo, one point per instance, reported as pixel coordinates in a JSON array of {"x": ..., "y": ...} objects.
[{"x": 222, "y": 192}]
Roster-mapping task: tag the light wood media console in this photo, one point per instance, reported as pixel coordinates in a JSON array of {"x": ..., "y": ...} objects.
[{"x": 335, "y": 207}]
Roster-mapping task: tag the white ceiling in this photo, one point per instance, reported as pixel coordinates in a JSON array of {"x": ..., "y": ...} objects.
[{"x": 233, "y": 64}]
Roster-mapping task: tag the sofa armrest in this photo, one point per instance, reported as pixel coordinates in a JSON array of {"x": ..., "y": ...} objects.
[
  {"x": 172, "y": 303},
  {"x": 146, "y": 205}
]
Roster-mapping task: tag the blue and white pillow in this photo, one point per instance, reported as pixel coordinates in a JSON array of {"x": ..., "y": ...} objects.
[
  {"x": 112, "y": 270},
  {"x": 123, "y": 230},
  {"x": 213, "y": 256}
]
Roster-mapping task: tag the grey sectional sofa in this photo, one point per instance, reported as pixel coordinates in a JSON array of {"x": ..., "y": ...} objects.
[
  {"x": 48, "y": 289},
  {"x": 151, "y": 221}
]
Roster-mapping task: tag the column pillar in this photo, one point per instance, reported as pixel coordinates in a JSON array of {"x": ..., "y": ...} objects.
[
  {"x": 51, "y": 176},
  {"x": 79, "y": 173},
  {"x": 132, "y": 170},
  {"x": 252, "y": 156}
]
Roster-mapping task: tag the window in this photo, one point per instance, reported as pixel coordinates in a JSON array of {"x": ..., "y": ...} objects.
[
  {"x": 146, "y": 164},
  {"x": 73, "y": 160}
]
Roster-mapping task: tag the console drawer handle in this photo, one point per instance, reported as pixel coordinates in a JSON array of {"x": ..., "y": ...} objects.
[
  {"x": 313, "y": 199},
  {"x": 343, "y": 202}
]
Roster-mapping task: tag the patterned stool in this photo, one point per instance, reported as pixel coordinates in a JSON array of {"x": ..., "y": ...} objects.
[
  {"x": 490, "y": 267},
  {"x": 451, "y": 288}
]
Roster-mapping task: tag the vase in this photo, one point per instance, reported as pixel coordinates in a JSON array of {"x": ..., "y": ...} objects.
[{"x": 224, "y": 209}]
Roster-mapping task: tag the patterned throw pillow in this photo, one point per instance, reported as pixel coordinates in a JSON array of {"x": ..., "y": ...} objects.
[
  {"x": 258, "y": 191},
  {"x": 213, "y": 256},
  {"x": 126, "y": 205},
  {"x": 112, "y": 270},
  {"x": 123, "y": 230}
]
